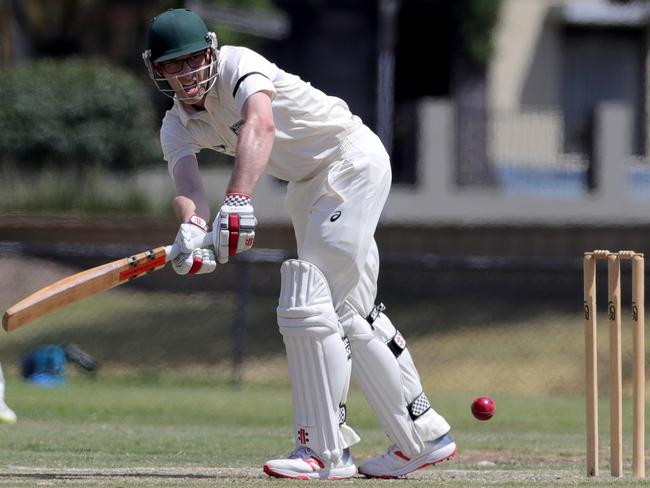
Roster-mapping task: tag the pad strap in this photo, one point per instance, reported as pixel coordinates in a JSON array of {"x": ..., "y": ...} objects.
[
  {"x": 397, "y": 344},
  {"x": 346, "y": 343},
  {"x": 343, "y": 413},
  {"x": 374, "y": 313},
  {"x": 419, "y": 406}
]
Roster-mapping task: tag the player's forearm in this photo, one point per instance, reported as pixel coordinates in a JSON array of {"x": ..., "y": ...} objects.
[
  {"x": 186, "y": 206},
  {"x": 190, "y": 195},
  {"x": 253, "y": 152}
]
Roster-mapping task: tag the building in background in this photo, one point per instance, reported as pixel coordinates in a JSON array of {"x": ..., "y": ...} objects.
[
  {"x": 490, "y": 108},
  {"x": 555, "y": 62},
  {"x": 523, "y": 113}
]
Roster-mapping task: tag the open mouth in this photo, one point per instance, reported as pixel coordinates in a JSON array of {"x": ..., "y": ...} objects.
[{"x": 192, "y": 89}]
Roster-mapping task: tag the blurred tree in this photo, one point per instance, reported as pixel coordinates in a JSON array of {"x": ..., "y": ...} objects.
[
  {"x": 241, "y": 22},
  {"x": 115, "y": 29},
  {"x": 75, "y": 113},
  {"x": 6, "y": 33},
  {"x": 13, "y": 42},
  {"x": 52, "y": 28}
]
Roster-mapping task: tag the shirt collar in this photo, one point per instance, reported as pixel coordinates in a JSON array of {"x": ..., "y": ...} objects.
[{"x": 187, "y": 113}]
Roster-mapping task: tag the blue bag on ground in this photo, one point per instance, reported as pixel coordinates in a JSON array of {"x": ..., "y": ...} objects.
[{"x": 45, "y": 366}]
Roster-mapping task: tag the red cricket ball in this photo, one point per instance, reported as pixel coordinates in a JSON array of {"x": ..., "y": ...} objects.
[{"x": 483, "y": 408}]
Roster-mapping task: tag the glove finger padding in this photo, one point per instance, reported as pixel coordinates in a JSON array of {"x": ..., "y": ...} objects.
[
  {"x": 199, "y": 261},
  {"x": 208, "y": 261}
]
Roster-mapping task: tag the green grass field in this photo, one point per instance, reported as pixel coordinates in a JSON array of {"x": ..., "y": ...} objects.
[
  {"x": 135, "y": 431},
  {"x": 162, "y": 411}
]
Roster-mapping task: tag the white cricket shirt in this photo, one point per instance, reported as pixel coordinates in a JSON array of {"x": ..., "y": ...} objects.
[{"x": 309, "y": 125}]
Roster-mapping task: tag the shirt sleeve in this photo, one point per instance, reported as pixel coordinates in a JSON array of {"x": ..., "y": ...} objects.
[
  {"x": 246, "y": 72},
  {"x": 176, "y": 142}
]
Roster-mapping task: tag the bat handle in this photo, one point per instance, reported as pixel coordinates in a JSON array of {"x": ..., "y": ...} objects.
[{"x": 171, "y": 252}]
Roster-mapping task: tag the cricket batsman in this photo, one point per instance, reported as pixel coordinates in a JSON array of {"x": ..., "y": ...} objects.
[{"x": 231, "y": 99}]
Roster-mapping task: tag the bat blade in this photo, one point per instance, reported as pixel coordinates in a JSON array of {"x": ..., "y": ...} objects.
[{"x": 84, "y": 284}]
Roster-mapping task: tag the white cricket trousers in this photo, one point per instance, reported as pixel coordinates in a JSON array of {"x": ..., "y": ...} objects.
[{"x": 335, "y": 215}]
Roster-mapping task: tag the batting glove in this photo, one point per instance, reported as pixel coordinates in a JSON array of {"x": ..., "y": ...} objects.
[
  {"x": 234, "y": 226},
  {"x": 193, "y": 258}
]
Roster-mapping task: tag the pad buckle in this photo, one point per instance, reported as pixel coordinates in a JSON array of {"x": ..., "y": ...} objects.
[
  {"x": 374, "y": 313},
  {"x": 397, "y": 344}
]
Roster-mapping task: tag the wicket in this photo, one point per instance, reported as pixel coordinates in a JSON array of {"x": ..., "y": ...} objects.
[{"x": 615, "y": 360}]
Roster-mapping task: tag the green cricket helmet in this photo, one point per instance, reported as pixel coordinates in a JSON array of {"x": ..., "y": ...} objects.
[{"x": 176, "y": 33}]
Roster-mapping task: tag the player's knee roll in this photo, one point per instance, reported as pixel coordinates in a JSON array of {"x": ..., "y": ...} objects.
[{"x": 305, "y": 306}]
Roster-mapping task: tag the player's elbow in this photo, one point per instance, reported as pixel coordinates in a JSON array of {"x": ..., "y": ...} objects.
[{"x": 265, "y": 126}]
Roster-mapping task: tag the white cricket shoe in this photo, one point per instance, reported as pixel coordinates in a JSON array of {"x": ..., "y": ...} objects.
[
  {"x": 303, "y": 464},
  {"x": 395, "y": 463},
  {"x": 7, "y": 415}
]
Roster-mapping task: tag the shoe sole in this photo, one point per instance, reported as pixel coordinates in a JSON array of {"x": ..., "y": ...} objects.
[
  {"x": 312, "y": 476},
  {"x": 408, "y": 470}
]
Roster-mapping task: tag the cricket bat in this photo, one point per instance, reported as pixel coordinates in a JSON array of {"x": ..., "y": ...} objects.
[{"x": 87, "y": 283}]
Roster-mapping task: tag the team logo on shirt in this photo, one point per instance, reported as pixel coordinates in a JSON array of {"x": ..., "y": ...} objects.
[{"x": 237, "y": 127}]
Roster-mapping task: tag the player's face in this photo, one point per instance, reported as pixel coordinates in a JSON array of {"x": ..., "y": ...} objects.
[{"x": 188, "y": 75}]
